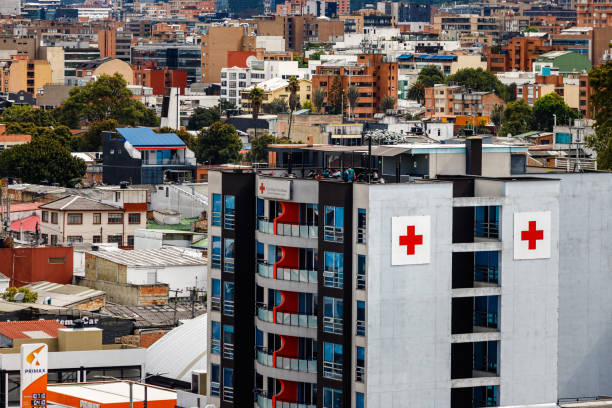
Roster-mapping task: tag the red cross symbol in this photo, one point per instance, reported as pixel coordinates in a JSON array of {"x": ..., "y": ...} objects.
[
  {"x": 410, "y": 240},
  {"x": 532, "y": 235},
  {"x": 262, "y": 188}
]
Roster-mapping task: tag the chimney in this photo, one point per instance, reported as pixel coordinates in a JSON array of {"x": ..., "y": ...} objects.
[{"x": 473, "y": 156}]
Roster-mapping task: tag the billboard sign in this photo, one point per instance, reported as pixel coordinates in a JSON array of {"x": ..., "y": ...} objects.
[{"x": 34, "y": 367}]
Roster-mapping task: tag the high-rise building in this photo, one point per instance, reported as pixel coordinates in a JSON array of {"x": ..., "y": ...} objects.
[
  {"x": 449, "y": 290},
  {"x": 594, "y": 13}
]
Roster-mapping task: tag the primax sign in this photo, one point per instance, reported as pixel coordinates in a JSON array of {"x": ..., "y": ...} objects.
[
  {"x": 34, "y": 366},
  {"x": 274, "y": 188}
]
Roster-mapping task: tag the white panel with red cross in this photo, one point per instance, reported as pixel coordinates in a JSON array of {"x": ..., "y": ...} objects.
[
  {"x": 532, "y": 232},
  {"x": 411, "y": 243}
]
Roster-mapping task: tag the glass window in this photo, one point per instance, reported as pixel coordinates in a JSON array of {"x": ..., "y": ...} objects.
[
  {"x": 134, "y": 218},
  {"x": 361, "y": 316},
  {"x": 53, "y": 218},
  {"x": 332, "y": 398},
  {"x": 333, "y": 274},
  {"x": 361, "y": 226},
  {"x": 115, "y": 218},
  {"x": 228, "y": 341},
  {"x": 118, "y": 239},
  {"x": 228, "y": 298},
  {"x": 216, "y": 210},
  {"x": 45, "y": 216},
  {"x": 228, "y": 258},
  {"x": 359, "y": 400},
  {"x": 215, "y": 294},
  {"x": 332, "y": 360},
  {"x": 74, "y": 239},
  {"x": 361, "y": 272},
  {"x": 360, "y": 366},
  {"x": 214, "y": 380},
  {"x": 228, "y": 384},
  {"x": 230, "y": 208},
  {"x": 97, "y": 218},
  {"x": 216, "y": 253},
  {"x": 215, "y": 345},
  {"x": 333, "y": 315},
  {"x": 334, "y": 224}
]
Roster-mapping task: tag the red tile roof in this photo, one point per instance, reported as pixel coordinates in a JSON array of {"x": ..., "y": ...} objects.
[
  {"x": 23, "y": 207},
  {"x": 26, "y": 224},
  {"x": 15, "y": 330}
]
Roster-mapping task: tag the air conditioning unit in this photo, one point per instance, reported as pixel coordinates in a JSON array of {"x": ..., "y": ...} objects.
[{"x": 198, "y": 382}]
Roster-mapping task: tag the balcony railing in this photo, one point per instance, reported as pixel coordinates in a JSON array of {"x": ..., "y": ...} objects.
[
  {"x": 361, "y": 235},
  {"x": 215, "y": 346},
  {"x": 333, "y": 234},
  {"x": 333, "y": 279},
  {"x": 228, "y": 351},
  {"x": 228, "y": 393},
  {"x": 228, "y": 307},
  {"x": 332, "y": 370},
  {"x": 359, "y": 374},
  {"x": 288, "y": 230},
  {"x": 171, "y": 162},
  {"x": 215, "y": 303},
  {"x": 361, "y": 281},
  {"x": 486, "y": 319},
  {"x": 228, "y": 265},
  {"x": 215, "y": 261},
  {"x": 264, "y": 357},
  {"x": 229, "y": 221},
  {"x": 486, "y": 230},
  {"x": 361, "y": 328},
  {"x": 332, "y": 324},
  {"x": 265, "y": 401},
  {"x": 486, "y": 274},
  {"x": 214, "y": 388},
  {"x": 216, "y": 218},
  {"x": 287, "y": 319},
  {"x": 288, "y": 274}
]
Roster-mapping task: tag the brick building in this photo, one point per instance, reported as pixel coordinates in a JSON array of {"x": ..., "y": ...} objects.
[
  {"x": 300, "y": 29},
  {"x": 458, "y": 104},
  {"x": 216, "y": 43},
  {"x": 594, "y": 13},
  {"x": 518, "y": 55},
  {"x": 160, "y": 79}
]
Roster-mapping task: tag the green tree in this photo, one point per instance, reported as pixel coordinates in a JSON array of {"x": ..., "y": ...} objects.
[
  {"x": 91, "y": 141},
  {"x": 29, "y": 296},
  {"x": 219, "y": 144},
  {"x": 532, "y": 29},
  {"x": 352, "y": 94},
  {"x": 335, "y": 97},
  {"x": 190, "y": 140},
  {"x": 203, "y": 117},
  {"x": 259, "y": 148},
  {"x": 549, "y": 106},
  {"x": 27, "y": 114},
  {"x": 388, "y": 102},
  {"x": 105, "y": 98},
  {"x": 318, "y": 97},
  {"x": 307, "y": 104},
  {"x": 417, "y": 92},
  {"x": 255, "y": 99},
  {"x": 277, "y": 105},
  {"x": 59, "y": 133},
  {"x": 43, "y": 159},
  {"x": 600, "y": 81},
  {"x": 294, "y": 100},
  {"x": 430, "y": 75},
  {"x": 517, "y": 118},
  {"x": 316, "y": 56},
  {"x": 480, "y": 80}
]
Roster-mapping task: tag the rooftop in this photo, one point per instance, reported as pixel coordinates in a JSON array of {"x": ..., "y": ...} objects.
[
  {"x": 170, "y": 256},
  {"x": 63, "y": 295},
  {"x": 107, "y": 393},
  {"x": 152, "y": 316},
  {"x": 28, "y": 224},
  {"x": 147, "y": 137},
  {"x": 36, "y": 329},
  {"x": 77, "y": 203}
]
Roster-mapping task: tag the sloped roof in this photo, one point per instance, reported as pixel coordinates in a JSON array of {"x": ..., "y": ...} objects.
[
  {"x": 63, "y": 295},
  {"x": 24, "y": 329},
  {"x": 168, "y": 256},
  {"x": 147, "y": 137},
  {"x": 78, "y": 203},
  {"x": 26, "y": 224},
  {"x": 180, "y": 351}
]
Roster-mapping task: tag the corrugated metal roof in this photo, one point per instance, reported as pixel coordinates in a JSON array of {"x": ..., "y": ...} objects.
[
  {"x": 180, "y": 351},
  {"x": 147, "y": 137},
  {"x": 63, "y": 295},
  {"x": 78, "y": 203},
  {"x": 15, "y": 330},
  {"x": 170, "y": 256}
]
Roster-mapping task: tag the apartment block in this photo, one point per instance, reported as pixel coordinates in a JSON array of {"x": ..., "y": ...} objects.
[
  {"x": 298, "y": 30},
  {"x": 25, "y": 74},
  {"x": 518, "y": 54},
  {"x": 216, "y": 44},
  {"x": 594, "y": 13},
  {"x": 161, "y": 79},
  {"x": 451, "y": 102}
]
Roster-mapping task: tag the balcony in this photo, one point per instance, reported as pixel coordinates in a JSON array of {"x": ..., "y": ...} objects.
[
  {"x": 333, "y": 324},
  {"x": 228, "y": 307},
  {"x": 333, "y": 234},
  {"x": 228, "y": 351},
  {"x": 332, "y": 370},
  {"x": 265, "y": 401},
  {"x": 288, "y": 230},
  {"x": 265, "y": 357},
  {"x": 288, "y": 319},
  {"x": 215, "y": 303},
  {"x": 486, "y": 275},
  {"x": 293, "y": 280}
]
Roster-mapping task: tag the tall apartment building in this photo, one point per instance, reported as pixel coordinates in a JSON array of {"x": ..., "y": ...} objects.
[
  {"x": 453, "y": 25},
  {"x": 463, "y": 291},
  {"x": 114, "y": 44},
  {"x": 518, "y": 54},
  {"x": 27, "y": 75},
  {"x": 298, "y": 30},
  {"x": 174, "y": 56},
  {"x": 594, "y": 13},
  {"x": 373, "y": 74},
  {"x": 216, "y": 43},
  {"x": 453, "y": 101}
]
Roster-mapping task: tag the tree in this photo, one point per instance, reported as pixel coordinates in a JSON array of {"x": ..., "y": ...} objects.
[
  {"x": 335, "y": 97},
  {"x": 190, "y": 140},
  {"x": 352, "y": 94},
  {"x": 294, "y": 100},
  {"x": 600, "y": 81},
  {"x": 477, "y": 79},
  {"x": 59, "y": 133},
  {"x": 42, "y": 160},
  {"x": 307, "y": 104},
  {"x": 496, "y": 116},
  {"x": 430, "y": 75},
  {"x": 549, "y": 106},
  {"x": 219, "y": 144},
  {"x": 29, "y": 296},
  {"x": 531, "y": 29},
  {"x": 318, "y": 97},
  {"x": 517, "y": 118},
  {"x": 203, "y": 117},
  {"x": 105, "y": 98},
  {"x": 27, "y": 114},
  {"x": 255, "y": 98},
  {"x": 259, "y": 147},
  {"x": 91, "y": 141},
  {"x": 277, "y": 105},
  {"x": 388, "y": 102},
  {"x": 417, "y": 92}
]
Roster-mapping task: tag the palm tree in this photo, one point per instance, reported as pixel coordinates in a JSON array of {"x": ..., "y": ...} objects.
[
  {"x": 417, "y": 91},
  {"x": 352, "y": 94},
  {"x": 294, "y": 100},
  {"x": 318, "y": 96},
  {"x": 388, "y": 102},
  {"x": 255, "y": 99}
]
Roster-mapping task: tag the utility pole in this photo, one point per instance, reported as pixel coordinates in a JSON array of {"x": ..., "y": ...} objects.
[{"x": 176, "y": 292}]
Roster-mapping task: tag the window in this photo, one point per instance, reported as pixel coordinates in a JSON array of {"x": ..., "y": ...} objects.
[
  {"x": 361, "y": 226},
  {"x": 228, "y": 384},
  {"x": 57, "y": 260},
  {"x": 97, "y": 218},
  {"x": 97, "y": 239},
  {"x": 117, "y": 196},
  {"x": 332, "y": 361},
  {"x": 215, "y": 342},
  {"x": 361, "y": 272},
  {"x": 45, "y": 216},
  {"x": 215, "y": 295},
  {"x": 53, "y": 218},
  {"x": 333, "y": 274},
  {"x": 228, "y": 298},
  {"x": 332, "y": 398},
  {"x": 228, "y": 258},
  {"x": 115, "y": 218},
  {"x": 216, "y": 210},
  {"x": 332, "y": 315},
  {"x": 53, "y": 239},
  {"x": 118, "y": 239},
  {"x": 359, "y": 400},
  {"x": 228, "y": 341},
  {"x": 216, "y": 253},
  {"x": 130, "y": 240},
  {"x": 229, "y": 214},
  {"x": 75, "y": 218},
  {"x": 214, "y": 380},
  {"x": 360, "y": 364},
  {"x": 134, "y": 218},
  {"x": 74, "y": 239},
  {"x": 361, "y": 317},
  {"x": 334, "y": 224}
]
